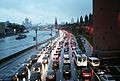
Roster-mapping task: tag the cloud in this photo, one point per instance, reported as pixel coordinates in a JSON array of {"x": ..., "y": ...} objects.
[{"x": 43, "y": 10}]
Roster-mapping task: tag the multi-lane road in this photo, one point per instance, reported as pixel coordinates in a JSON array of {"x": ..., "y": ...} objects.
[{"x": 14, "y": 64}]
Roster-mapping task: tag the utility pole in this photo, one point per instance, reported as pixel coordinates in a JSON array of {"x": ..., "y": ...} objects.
[{"x": 36, "y": 39}]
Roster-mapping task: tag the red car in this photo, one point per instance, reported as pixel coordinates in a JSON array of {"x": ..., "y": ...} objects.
[{"x": 86, "y": 72}]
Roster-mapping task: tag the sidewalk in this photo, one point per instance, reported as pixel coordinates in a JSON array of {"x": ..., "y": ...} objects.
[{"x": 88, "y": 47}]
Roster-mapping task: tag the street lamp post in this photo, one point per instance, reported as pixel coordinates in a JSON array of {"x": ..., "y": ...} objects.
[{"x": 36, "y": 39}]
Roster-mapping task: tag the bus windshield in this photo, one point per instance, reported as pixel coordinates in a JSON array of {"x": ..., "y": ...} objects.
[
  {"x": 79, "y": 59},
  {"x": 96, "y": 61}
]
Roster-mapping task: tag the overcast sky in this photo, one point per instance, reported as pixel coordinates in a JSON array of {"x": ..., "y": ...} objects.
[{"x": 43, "y": 11}]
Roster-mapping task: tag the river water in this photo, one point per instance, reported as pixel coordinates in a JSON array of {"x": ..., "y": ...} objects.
[{"x": 10, "y": 45}]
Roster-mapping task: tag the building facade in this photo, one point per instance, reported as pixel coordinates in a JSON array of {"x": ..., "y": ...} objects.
[
  {"x": 27, "y": 23},
  {"x": 106, "y": 36}
]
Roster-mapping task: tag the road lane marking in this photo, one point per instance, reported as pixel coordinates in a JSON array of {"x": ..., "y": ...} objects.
[
  {"x": 117, "y": 68},
  {"x": 107, "y": 68},
  {"x": 96, "y": 75}
]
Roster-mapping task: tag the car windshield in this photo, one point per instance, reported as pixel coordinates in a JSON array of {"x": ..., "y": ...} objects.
[
  {"x": 95, "y": 61},
  {"x": 50, "y": 72},
  {"x": 87, "y": 70},
  {"x": 79, "y": 59},
  {"x": 66, "y": 58},
  {"x": 84, "y": 58},
  {"x": 67, "y": 67}
]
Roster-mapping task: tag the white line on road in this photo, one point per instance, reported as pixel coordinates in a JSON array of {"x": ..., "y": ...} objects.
[
  {"x": 107, "y": 68},
  {"x": 117, "y": 68},
  {"x": 96, "y": 75}
]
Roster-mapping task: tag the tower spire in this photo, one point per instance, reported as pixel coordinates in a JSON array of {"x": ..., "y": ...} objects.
[{"x": 56, "y": 23}]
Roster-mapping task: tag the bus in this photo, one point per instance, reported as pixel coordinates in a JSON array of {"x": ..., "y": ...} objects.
[
  {"x": 80, "y": 59},
  {"x": 93, "y": 61}
]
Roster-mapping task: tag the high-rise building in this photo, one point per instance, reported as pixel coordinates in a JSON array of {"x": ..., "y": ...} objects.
[
  {"x": 27, "y": 23},
  {"x": 106, "y": 36}
]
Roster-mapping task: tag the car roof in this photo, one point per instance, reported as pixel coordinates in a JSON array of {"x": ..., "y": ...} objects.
[
  {"x": 93, "y": 58},
  {"x": 37, "y": 64},
  {"x": 45, "y": 57},
  {"x": 50, "y": 72}
]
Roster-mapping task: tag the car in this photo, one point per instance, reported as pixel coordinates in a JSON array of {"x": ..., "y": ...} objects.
[
  {"x": 66, "y": 43},
  {"x": 66, "y": 55},
  {"x": 101, "y": 71},
  {"x": 22, "y": 72},
  {"x": 27, "y": 62},
  {"x": 37, "y": 67},
  {"x": 56, "y": 56},
  {"x": 67, "y": 71},
  {"x": 66, "y": 49},
  {"x": 86, "y": 72},
  {"x": 35, "y": 76},
  {"x": 106, "y": 77},
  {"x": 55, "y": 64},
  {"x": 94, "y": 61},
  {"x": 51, "y": 75},
  {"x": 58, "y": 51},
  {"x": 34, "y": 58},
  {"x": 38, "y": 53},
  {"x": 47, "y": 53},
  {"x": 21, "y": 37},
  {"x": 45, "y": 59},
  {"x": 66, "y": 60}
]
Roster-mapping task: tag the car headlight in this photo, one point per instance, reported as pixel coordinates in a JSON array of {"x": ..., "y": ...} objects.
[
  {"x": 33, "y": 69},
  {"x": 23, "y": 73}
]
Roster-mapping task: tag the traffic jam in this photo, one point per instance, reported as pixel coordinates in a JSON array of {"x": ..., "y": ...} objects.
[{"x": 60, "y": 60}]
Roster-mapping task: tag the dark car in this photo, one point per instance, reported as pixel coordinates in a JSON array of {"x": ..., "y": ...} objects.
[
  {"x": 21, "y": 37},
  {"x": 66, "y": 71},
  {"x": 45, "y": 59},
  {"x": 51, "y": 75},
  {"x": 35, "y": 76},
  {"x": 56, "y": 56},
  {"x": 47, "y": 54},
  {"x": 66, "y": 49},
  {"x": 55, "y": 65},
  {"x": 86, "y": 72},
  {"x": 22, "y": 72},
  {"x": 28, "y": 62},
  {"x": 37, "y": 67},
  {"x": 34, "y": 58}
]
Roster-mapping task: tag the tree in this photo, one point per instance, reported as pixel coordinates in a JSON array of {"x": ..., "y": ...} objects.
[
  {"x": 90, "y": 19},
  {"x": 81, "y": 19},
  {"x": 86, "y": 20}
]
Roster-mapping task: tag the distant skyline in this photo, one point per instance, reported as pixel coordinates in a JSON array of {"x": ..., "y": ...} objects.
[{"x": 43, "y": 11}]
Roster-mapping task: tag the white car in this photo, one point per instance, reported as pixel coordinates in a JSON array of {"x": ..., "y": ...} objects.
[
  {"x": 66, "y": 60},
  {"x": 107, "y": 77},
  {"x": 66, "y": 55}
]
